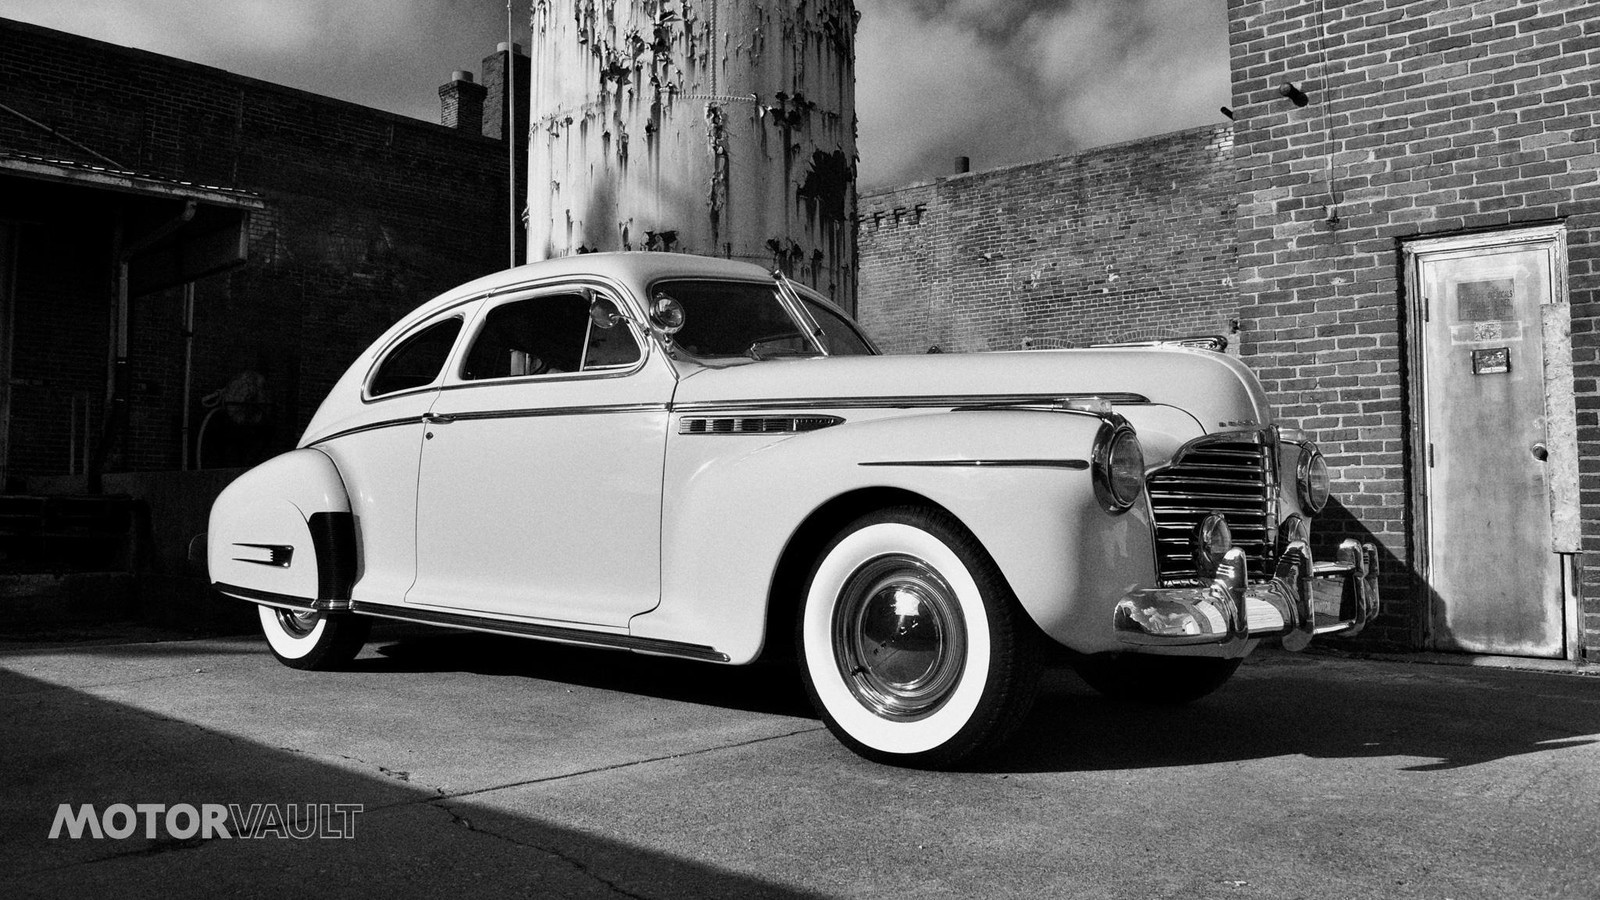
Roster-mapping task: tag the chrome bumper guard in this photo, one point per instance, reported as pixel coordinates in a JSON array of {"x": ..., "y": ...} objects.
[{"x": 1302, "y": 600}]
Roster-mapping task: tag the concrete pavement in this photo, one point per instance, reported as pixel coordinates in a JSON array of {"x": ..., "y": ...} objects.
[{"x": 489, "y": 766}]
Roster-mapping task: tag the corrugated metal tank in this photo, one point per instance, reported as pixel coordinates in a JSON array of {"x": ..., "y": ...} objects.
[{"x": 717, "y": 127}]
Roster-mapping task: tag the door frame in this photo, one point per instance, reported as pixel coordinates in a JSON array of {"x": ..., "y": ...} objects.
[{"x": 1560, "y": 413}]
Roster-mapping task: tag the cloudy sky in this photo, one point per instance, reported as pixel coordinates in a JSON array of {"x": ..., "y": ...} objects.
[{"x": 1000, "y": 81}]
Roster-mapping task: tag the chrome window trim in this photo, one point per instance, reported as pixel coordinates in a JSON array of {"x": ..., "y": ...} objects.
[
  {"x": 389, "y": 349},
  {"x": 711, "y": 361},
  {"x": 790, "y": 298},
  {"x": 552, "y": 287},
  {"x": 810, "y": 295}
]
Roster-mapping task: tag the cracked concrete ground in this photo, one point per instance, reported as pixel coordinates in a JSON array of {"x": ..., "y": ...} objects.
[{"x": 488, "y": 766}]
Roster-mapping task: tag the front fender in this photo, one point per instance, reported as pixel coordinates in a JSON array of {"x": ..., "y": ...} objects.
[
  {"x": 1018, "y": 479},
  {"x": 282, "y": 534}
]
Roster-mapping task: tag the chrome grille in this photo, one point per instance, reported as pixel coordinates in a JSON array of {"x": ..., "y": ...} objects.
[{"x": 1231, "y": 474}]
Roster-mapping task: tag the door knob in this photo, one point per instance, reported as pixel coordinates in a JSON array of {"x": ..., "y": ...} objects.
[{"x": 1541, "y": 452}]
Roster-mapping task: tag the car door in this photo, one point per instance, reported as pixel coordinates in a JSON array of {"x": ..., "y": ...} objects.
[
  {"x": 379, "y": 454},
  {"x": 539, "y": 494}
]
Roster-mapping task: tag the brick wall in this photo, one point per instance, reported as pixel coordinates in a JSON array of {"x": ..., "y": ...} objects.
[
  {"x": 1127, "y": 242},
  {"x": 368, "y": 214},
  {"x": 1427, "y": 117}
]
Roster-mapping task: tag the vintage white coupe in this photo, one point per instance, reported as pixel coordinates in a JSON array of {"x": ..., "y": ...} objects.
[{"x": 691, "y": 457}]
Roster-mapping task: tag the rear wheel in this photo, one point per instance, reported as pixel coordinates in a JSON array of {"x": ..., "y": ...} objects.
[
  {"x": 1156, "y": 680},
  {"x": 313, "y": 640},
  {"x": 913, "y": 648}
]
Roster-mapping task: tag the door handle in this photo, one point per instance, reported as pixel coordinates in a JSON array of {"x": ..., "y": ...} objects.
[
  {"x": 436, "y": 419},
  {"x": 1540, "y": 451}
]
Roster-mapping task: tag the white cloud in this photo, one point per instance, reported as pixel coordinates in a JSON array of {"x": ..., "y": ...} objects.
[
  {"x": 1001, "y": 81},
  {"x": 927, "y": 92},
  {"x": 1007, "y": 81}
]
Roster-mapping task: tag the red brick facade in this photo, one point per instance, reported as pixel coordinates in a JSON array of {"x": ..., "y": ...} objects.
[
  {"x": 1426, "y": 118},
  {"x": 1423, "y": 119},
  {"x": 1121, "y": 243},
  {"x": 367, "y": 214}
]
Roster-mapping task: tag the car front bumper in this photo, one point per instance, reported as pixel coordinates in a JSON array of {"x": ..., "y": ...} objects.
[{"x": 1303, "y": 599}]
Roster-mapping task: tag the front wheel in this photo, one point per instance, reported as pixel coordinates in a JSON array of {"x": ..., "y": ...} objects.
[
  {"x": 313, "y": 640},
  {"x": 913, "y": 648},
  {"x": 1156, "y": 680}
]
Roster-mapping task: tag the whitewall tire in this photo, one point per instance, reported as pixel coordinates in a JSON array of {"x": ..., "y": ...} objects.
[
  {"x": 313, "y": 640},
  {"x": 913, "y": 648}
]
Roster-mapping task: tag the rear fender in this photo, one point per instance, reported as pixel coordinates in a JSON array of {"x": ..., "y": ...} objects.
[{"x": 282, "y": 534}]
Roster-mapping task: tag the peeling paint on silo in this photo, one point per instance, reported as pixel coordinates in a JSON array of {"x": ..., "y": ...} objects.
[{"x": 728, "y": 125}]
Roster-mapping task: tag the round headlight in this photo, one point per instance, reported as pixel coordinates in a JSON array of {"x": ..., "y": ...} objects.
[
  {"x": 1119, "y": 467},
  {"x": 1312, "y": 477}
]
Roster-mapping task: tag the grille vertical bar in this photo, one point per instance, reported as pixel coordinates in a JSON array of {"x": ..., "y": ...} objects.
[{"x": 1231, "y": 474}]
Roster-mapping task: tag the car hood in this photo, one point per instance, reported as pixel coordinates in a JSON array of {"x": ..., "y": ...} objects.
[{"x": 1215, "y": 389}]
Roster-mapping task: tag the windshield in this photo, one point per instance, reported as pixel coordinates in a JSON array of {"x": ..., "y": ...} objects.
[{"x": 748, "y": 319}]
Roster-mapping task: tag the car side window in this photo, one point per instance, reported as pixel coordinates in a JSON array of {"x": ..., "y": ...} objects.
[
  {"x": 417, "y": 360},
  {"x": 838, "y": 336},
  {"x": 544, "y": 335}
]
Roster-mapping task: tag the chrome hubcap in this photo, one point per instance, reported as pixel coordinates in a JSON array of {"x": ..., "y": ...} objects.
[
  {"x": 898, "y": 637},
  {"x": 296, "y": 623}
]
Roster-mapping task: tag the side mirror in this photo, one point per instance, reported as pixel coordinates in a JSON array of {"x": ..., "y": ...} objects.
[
  {"x": 666, "y": 313},
  {"x": 603, "y": 312}
]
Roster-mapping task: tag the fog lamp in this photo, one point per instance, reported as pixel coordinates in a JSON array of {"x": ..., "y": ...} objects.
[
  {"x": 1212, "y": 540},
  {"x": 666, "y": 313}
]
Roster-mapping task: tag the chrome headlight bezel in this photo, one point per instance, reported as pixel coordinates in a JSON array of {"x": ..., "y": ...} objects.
[
  {"x": 1312, "y": 481},
  {"x": 1117, "y": 467}
]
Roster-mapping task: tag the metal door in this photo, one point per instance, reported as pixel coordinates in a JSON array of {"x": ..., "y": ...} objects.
[{"x": 1495, "y": 580}]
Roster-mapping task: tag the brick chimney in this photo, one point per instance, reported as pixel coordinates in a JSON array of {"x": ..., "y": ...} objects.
[
  {"x": 461, "y": 103},
  {"x": 495, "y": 118}
]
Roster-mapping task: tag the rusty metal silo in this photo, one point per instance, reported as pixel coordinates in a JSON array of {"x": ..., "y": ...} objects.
[{"x": 716, "y": 127}]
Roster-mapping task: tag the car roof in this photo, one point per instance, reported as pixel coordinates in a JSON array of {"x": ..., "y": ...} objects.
[{"x": 631, "y": 267}]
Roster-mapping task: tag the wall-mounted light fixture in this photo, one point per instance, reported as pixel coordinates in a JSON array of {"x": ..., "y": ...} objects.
[{"x": 1295, "y": 95}]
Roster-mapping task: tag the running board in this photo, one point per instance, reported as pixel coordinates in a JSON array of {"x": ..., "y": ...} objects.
[{"x": 542, "y": 632}]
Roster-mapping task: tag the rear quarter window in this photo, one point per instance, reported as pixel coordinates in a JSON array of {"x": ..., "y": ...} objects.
[{"x": 416, "y": 361}]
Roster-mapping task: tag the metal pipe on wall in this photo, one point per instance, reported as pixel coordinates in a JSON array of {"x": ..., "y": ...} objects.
[
  {"x": 511, "y": 137},
  {"x": 188, "y": 366}
]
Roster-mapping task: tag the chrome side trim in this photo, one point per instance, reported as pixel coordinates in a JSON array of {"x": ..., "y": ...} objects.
[
  {"x": 373, "y": 426},
  {"x": 755, "y": 424},
  {"x": 429, "y": 418},
  {"x": 910, "y": 401},
  {"x": 542, "y": 632},
  {"x": 1076, "y": 464},
  {"x": 542, "y": 412}
]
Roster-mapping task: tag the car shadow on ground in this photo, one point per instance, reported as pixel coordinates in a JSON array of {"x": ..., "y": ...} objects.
[
  {"x": 1427, "y": 717},
  {"x": 404, "y": 839},
  {"x": 765, "y": 687}
]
